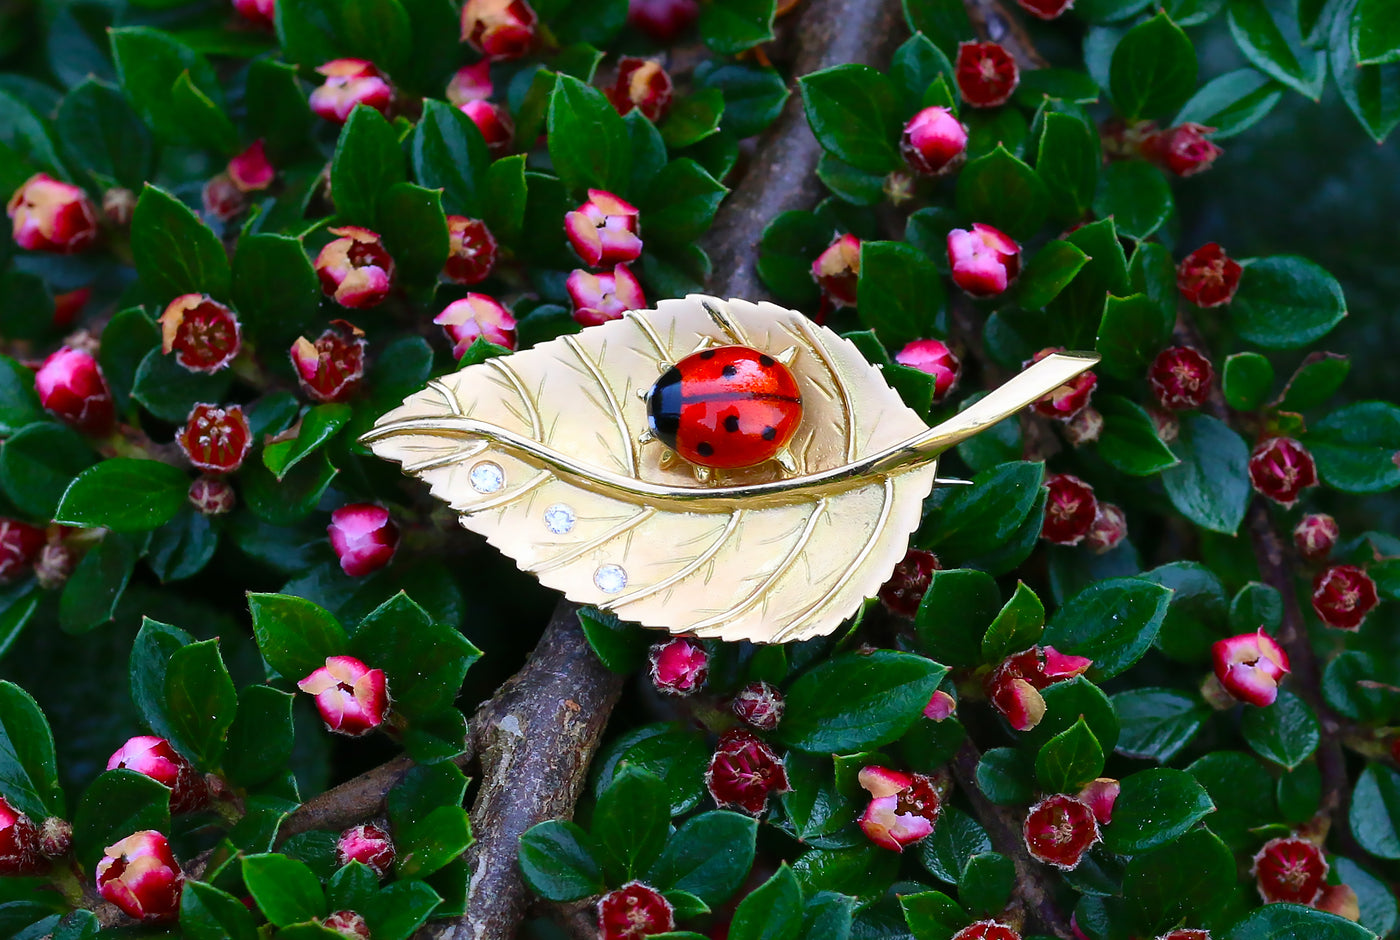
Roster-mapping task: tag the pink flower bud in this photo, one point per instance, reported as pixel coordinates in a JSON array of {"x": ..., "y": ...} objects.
[
  {"x": 940, "y": 707},
  {"x": 54, "y": 565},
  {"x": 1070, "y": 509},
  {"x": 598, "y": 298},
  {"x": 260, "y": 13},
  {"x": 1109, "y": 528},
  {"x": 934, "y": 142},
  {"x": 1101, "y": 794},
  {"x": 355, "y": 268},
  {"x": 1085, "y": 427},
  {"x": 1014, "y": 685},
  {"x": 642, "y": 84},
  {"x": 117, "y": 205},
  {"x": 1340, "y": 900},
  {"x": 909, "y": 582},
  {"x": 1186, "y": 934},
  {"x": 349, "y": 924},
  {"x": 352, "y": 698},
  {"x": 744, "y": 772},
  {"x": 494, "y": 123},
  {"x": 364, "y": 538},
  {"x": 204, "y": 334},
  {"x": 20, "y": 544},
  {"x": 350, "y": 82},
  {"x": 140, "y": 875},
  {"x": 634, "y": 911},
  {"x": 476, "y": 316},
  {"x": 19, "y": 843},
  {"x": 604, "y": 230},
  {"x": 1281, "y": 468},
  {"x": 215, "y": 438},
  {"x": 471, "y": 250},
  {"x": 212, "y": 496},
  {"x": 1290, "y": 870},
  {"x": 987, "y": 930},
  {"x": 153, "y": 757},
  {"x": 1316, "y": 535},
  {"x": 984, "y": 260},
  {"x": 1045, "y": 9},
  {"x": 367, "y": 844},
  {"x": 986, "y": 74},
  {"x": 936, "y": 359},
  {"x": 50, "y": 215},
  {"x": 1183, "y": 150},
  {"x": 1180, "y": 378},
  {"x": 471, "y": 83},
  {"x": 1059, "y": 830},
  {"x": 837, "y": 270},
  {"x": 499, "y": 29},
  {"x": 759, "y": 705},
  {"x": 1207, "y": 277},
  {"x": 1342, "y": 596},
  {"x": 55, "y": 838},
  {"x": 250, "y": 170},
  {"x": 1019, "y": 702},
  {"x": 662, "y": 20},
  {"x": 679, "y": 666},
  {"x": 68, "y": 305},
  {"x": 1250, "y": 666},
  {"x": 331, "y": 368},
  {"x": 903, "y": 810},
  {"x": 70, "y": 384},
  {"x": 222, "y": 199}
]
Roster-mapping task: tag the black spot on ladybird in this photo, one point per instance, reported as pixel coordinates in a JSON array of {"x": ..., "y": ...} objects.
[
  {"x": 731, "y": 423},
  {"x": 729, "y": 371},
  {"x": 705, "y": 449},
  {"x": 769, "y": 433},
  {"x": 765, "y": 361},
  {"x": 708, "y": 354}
]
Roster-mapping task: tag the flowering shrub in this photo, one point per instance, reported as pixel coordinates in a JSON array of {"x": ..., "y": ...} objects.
[{"x": 1138, "y": 681}]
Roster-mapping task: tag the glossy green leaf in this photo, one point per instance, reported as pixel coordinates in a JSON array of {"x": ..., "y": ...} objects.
[
  {"x": 1047, "y": 273},
  {"x": 1189, "y": 879},
  {"x": 1374, "y": 815},
  {"x": 1157, "y": 723},
  {"x": 175, "y": 253},
  {"x": 1248, "y": 378},
  {"x": 854, "y": 112},
  {"x": 1286, "y": 732},
  {"x": 1294, "y": 922},
  {"x": 92, "y": 591},
  {"x": 1112, "y": 622},
  {"x": 731, "y": 26},
  {"x": 588, "y": 141},
  {"x": 1153, "y": 72},
  {"x": 1017, "y": 627},
  {"x": 957, "y": 638},
  {"x": 28, "y": 768},
  {"x": 1354, "y": 447},
  {"x": 854, "y": 702},
  {"x": 1231, "y": 103},
  {"x": 1131, "y": 333},
  {"x": 1068, "y": 163},
  {"x": 709, "y": 856},
  {"x": 1210, "y": 486},
  {"x": 1269, "y": 37},
  {"x": 115, "y": 805},
  {"x": 124, "y": 495},
  {"x": 1375, "y": 32},
  {"x": 150, "y": 63},
  {"x": 285, "y": 889},
  {"x": 1005, "y": 776},
  {"x": 1129, "y": 441},
  {"x": 201, "y": 701},
  {"x": 1002, "y": 191},
  {"x": 772, "y": 911},
  {"x": 1284, "y": 302},
  {"x": 1070, "y": 760},
  {"x": 1136, "y": 196},
  {"x": 294, "y": 635},
  {"x": 101, "y": 133},
  {"x": 899, "y": 294},
  {"x": 368, "y": 161}
]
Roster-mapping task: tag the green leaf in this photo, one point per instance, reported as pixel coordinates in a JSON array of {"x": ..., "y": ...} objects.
[
  {"x": 956, "y": 838},
  {"x": 1287, "y": 732},
  {"x": 1153, "y": 71},
  {"x": 680, "y": 203},
  {"x": 1247, "y": 381},
  {"x": 693, "y": 118},
  {"x": 283, "y": 118},
  {"x": 434, "y": 841},
  {"x": 415, "y": 232},
  {"x": 944, "y": 21},
  {"x": 620, "y": 646},
  {"x": 124, "y": 495},
  {"x": 102, "y": 134},
  {"x": 26, "y": 143},
  {"x": 183, "y": 546},
  {"x": 1157, "y": 723},
  {"x": 260, "y": 739},
  {"x": 855, "y": 702},
  {"x": 789, "y": 245},
  {"x": 1285, "y": 302},
  {"x": 1079, "y": 308},
  {"x": 1049, "y": 271},
  {"x": 1000, "y": 190},
  {"x": 559, "y": 861},
  {"x": 204, "y": 121},
  {"x": 115, "y": 805},
  {"x": 318, "y": 425},
  {"x": 588, "y": 140},
  {"x": 170, "y": 391},
  {"x": 150, "y": 64},
  {"x": 632, "y": 820},
  {"x": 1292, "y": 922},
  {"x": 314, "y": 31},
  {"x": 91, "y": 594},
  {"x": 753, "y": 97},
  {"x": 294, "y": 636},
  {"x": 1231, "y": 103},
  {"x": 1129, "y": 441},
  {"x": 367, "y": 163},
  {"x": 854, "y": 113},
  {"x": 899, "y": 293},
  {"x": 28, "y": 768},
  {"x": 19, "y": 404},
  {"x": 1268, "y": 35},
  {"x": 1374, "y": 816},
  {"x": 1375, "y": 32},
  {"x": 449, "y": 153},
  {"x": 709, "y": 856},
  {"x": 201, "y": 701},
  {"x": 150, "y": 656},
  {"x": 274, "y": 286},
  {"x": 978, "y": 520},
  {"x": 175, "y": 253},
  {"x": 1136, "y": 196},
  {"x": 986, "y": 883},
  {"x": 1005, "y": 776},
  {"x": 1210, "y": 486},
  {"x": 1131, "y": 333},
  {"x": 917, "y": 64},
  {"x": 1316, "y": 380},
  {"x": 38, "y": 463},
  {"x": 846, "y": 182},
  {"x": 1068, "y": 163},
  {"x": 1186, "y": 880},
  {"x": 1372, "y": 92},
  {"x": 425, "y": 661},
  {"x": 1377, "y": 903},
  {"x": 932, "y": 915},
  {"x": 1017, "y": 627},
  {"x": 1065, "y": 703},
  {"x": 286, "y": 890},
  {"x": 1354, "y": 447},
  {"x": 1068, "y": 85},
  {"x": 731, "y": 26},
  {"x": 772, "y": 911},
  {"x": 1256, "y": 605},
  {"x": 956, "y": 613},
  {"x": 206, "y": 913},
  {"x": 295, "y": 497},
  {"x": 1070, "y": 760},
  {"x": 1112, "y": 622},
  {"x": 1153, "y": 808},
  {"x": 1241, "y": 789}
]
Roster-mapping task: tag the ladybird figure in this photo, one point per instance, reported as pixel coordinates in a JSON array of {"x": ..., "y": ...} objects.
[{"x": 726, "y": 408}]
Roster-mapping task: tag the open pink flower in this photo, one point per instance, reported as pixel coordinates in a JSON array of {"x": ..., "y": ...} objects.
[
  {"x": 1250, "y": 666},
  {"x": 986, "y": 74},
  {"x": 476, "y": 316},
  {"x": 1059, "y": 830},
  {"x": 250, "y": 170},
  {"x": 471, "y": 253},
  {"x": 139, "y": 874},
  {"x": 604, "y": 230},
  {"x": 1280, "y": 468},
  {"x": 216, "y": 438},
  {"x": 1070, "y": 509},
  {"x": 331, "y": 368},
  {"x": 353, "y": 699},
  {"x": 744, "y": 772},
  {"x": 494, "y": 122},
  {"x": 642, "y": 84},
  {"x": 19, "y": 843},
  {"x": 903, "y": 807},
  {"x": 1207, "y": 277},
  {"x": 634, "y": 911},
  {"x": 204, "y": 334},
  {"x": 350, "y": 82},
  {"x": 1343, "y": 595},
  {"x": 1291, "y": 870},
  {"x": 1014, "y": 686},
  {"x": 499, "y": 29},
  {"x": 837, "y": 270},
  {"x": 355, "y": 269},
  {"x": 598, "y": 298}
]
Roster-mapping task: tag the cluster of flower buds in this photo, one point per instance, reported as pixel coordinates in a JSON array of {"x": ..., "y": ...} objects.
[
  {"x": 355, "y": 269},
  {"x": 353, "y": 699},
  {"x": 154, "y": 757},
  {"x": 215, "y": 438},
  {"x": 1342, "y": 596},
  {"x": 1208, "y": 277},
  {"x": 139, "y": 874},
  {"x": 226, "y": 194},
  {"x": 20, "y": 544},
  {"x": 1180, "y": 378},
  {"x": 662, "y": 20},
  {"x": 331, "y": 368},
  {"x": 837, "y": 271},
  {"x": 1069, "y": 399},
  {"x": 1280, "y": 469},
  {"x": 986, "y": 74},
  {"x": 598, "y": 298},
  {"x": 204, "y": 334},
  {"x": 350, "y": 82},
  {"x": 1014, "y": 686},
  {"x": 367, "y": 844},
  {"x": 474, "y": 317},
  {"x": 903, "y": 807},
  {"x": 634, "y": 911},
  {"x": 679, "y": 666},
  {"x": 364, "y": 537},
  {"x": 759, "y": 705},
  {"x": 744, "y": 772},
  {"x": 71, "y": 386},
  {"x": 50, "y": 215},
  {"x": 641, "y": 84},
  {"x": 499, "y": 29},
  {"x": 1249, "y": 667},
  {"x": 1071, "y": 510},
  {"x": 906, "y": 588},
  {"x": 471, "y": 254},
  {"x": 934, "y": 142},
  {"x": 935, "y": 358},
  {"x": 984, "y": 260},
  {"x": 1060, "y": 829}
]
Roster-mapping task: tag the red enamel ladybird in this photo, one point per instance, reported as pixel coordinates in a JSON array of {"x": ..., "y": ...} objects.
[{"x": 725, "y": 408}]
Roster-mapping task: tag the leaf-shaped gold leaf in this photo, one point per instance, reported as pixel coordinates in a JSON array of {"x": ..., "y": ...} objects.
[{"x": 539, "y": 451}]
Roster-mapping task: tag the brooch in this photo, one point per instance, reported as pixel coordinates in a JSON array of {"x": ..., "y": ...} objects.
[{"x": 717, "y": 468}]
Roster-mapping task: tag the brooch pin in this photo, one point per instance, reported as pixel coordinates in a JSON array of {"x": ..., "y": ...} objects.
[{"x": 722, "y": 469}]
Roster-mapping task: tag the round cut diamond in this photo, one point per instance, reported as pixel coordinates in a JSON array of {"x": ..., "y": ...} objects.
[
  {"x": 487, "y": 477},
  {"x": 610, "y": 579},
  {"x": 559, "y": 519}
]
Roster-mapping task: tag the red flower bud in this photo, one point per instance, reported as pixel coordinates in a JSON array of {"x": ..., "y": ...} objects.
[
  {"x": 70, "y": 384},
  {"x": 1183, "y": 150},
  {"x": 986, "y": 74},
  {"x": 54, "y": 565},
  {"x": 744, "y": 771},
  {"x": 260, "y": 13},
  {"x": 20, "y": 544},
  {"x": 1343, "y": 595},
  {"x": 984, "y": 260},
  {"x": 352, "y": 698},
  {"x": 1207, "y": 277},
  {"x": 1281, "y": 468},
  {"x": 642, "y": 84},
  {"x": 367, "y": 844},
  {"x": 1070, "y": 509},
  {"x": 250, "y": 170},
  {"x": 348, "y": 924},
  {"x": 203, "y": 333},
  {"x": 987, "y": 930},
  {"x": 50, "y": 215},
  {"x": 212, "y": 496},
  {"x": 935, "y": 358},
  {"x": 68, "y": 305},
  {"x": 1180, "y": 378},
  {"x": 1085, "y": 427},
  {"x": 1019, "y": 702},
  {"x": 1014, "y": 685},
  {"x": 153, "y": 757},
  {"x": 662, "y": 20},
  {"x": 364, "y": 538},
  {"x": 494, "y": 123},
  {"x": 19, "y": 843},
  {"x": 837, "y": 270},
  {"x": 355, "y": 269},
  {"x": 499, "y": 29},
  {"x": 1340, "y": 900},
  {"x": 1059, "y": 830},
  {"x": 139, "y": 874},
  {"x": 1101, "y": 794},
  {"x": 471, "y": 83},
  {"x": 903, "y": 808},
  {"x": 476, "y": 316},
  {"x": 1291, "y": 870},
  {"x": 934, "y": 142},
  {"x": 1250, "y": 666},
  {"x": 471, "y": 250},
  {"x": 634, "y": 911},
  {"x": 1109, "y": 528},
  {"x": 1316, "y": 535},
  {"x": 940, "y": 707},
  {"x": 350, "y": 82},
  {"x": 1186, "y": 934},
  {"x": 331, "y": 368},
  {"x": 598, "y": 298},
  {"x": 1069, "y": 399},
  {"x": 222, "y": 199},
  {"x": 909, "y": 582},
  {"x": 215, "y": 438},
  {"x": 759, "y": 705},
  {"x": 603, "y": 230},
  {"x": 679, "y": 666},
  {"x": 55, "y": 838},
  {"x": 1045, "y": 9}
]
